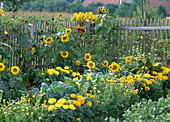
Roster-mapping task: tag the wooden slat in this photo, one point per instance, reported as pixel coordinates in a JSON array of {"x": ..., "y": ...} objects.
[
  {"x": 120, "y": 41},
  {"x": 135, "y": 36},
  {"x": 127, "y": 49},
  {"x": 131, "y": 39},
  {"x": 150, "y": 36}
]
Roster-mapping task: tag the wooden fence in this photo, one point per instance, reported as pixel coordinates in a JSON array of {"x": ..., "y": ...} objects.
[{"x": 128, "y": 41}]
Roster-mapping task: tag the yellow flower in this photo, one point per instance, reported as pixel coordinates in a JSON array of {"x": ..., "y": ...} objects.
[
  {"x": 147, "y": 75},
  {"x": 154, "y": 73},
  {"x": 15, "y": 70},
  {"x": 51, "y": 100},
  {"x": 105, "y": 63},
  {"x": 60, "y": 15},
  {"x": 73, "y": 95},
  {"x": 66, "y": 107},
  {"x": 78, "y": 119},
  {"x": 72, "y": 19},
  {"x": 87, "y": 57},
  {"x": 149, "y": 82},
  {"x": 27, "y": 113},
  {"x": 90, "y": 64},
  {"x": 33, "y": 50},
  {"x": 92, "y": 96},
  {"x": 5, "y": 33},
  {"x": 147, "y": 88},
  {"x": 143, "y": 85},
  {"x": 68, "y": 31},
  {"x": 89, "y": 103},
  {"x": 135, "y": 92},
  {"x": 47, "y": 79},
  {"x": 75, "y": 79},
  {"x": 49, "y": 40},
  {"x": 165, "y": 77},
  {"x": 114, "y": 67},
  {"x": 3, "y": 15},
  {"x": 128, "y": 59},
  {"x": 78, "y": 63},
  {"x": 166, "y": 71},
  {"x": 64, "y": 38},
  {"x": 2, "y": 67},
  {"x": 58, "y": 105},
  {"x": 88, "y": 94},
  {"x": 61, "y": 101},
  {"x": 72, "y": 107},
  {"x": 131, "y": 81},
  {"x": 64, "y": 54},
  {"x": 31, "y": 112},
  {"x": 39, "y": 117},
  {"x": 51, "y": 108},
  {"x": 66, "y": 67}
]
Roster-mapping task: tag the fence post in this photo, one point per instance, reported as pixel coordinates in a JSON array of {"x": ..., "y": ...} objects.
[
  {"x": 30, "y": 36},
  {"x": 87, "y": 29},
  {"x": 29, "y": 46}
]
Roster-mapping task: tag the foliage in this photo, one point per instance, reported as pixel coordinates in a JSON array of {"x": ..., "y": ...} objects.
[
  {"x": 126, "y": 10},
  {"x": 151, "y": 13},
  {"x": 148, "y": 110},
  {"x": 161, "y": 11}
]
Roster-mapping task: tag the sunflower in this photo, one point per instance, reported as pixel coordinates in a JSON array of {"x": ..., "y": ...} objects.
[
  {"x": 128, "y": 59},
  {"x": 83, "y": 31},
  {"x": 33, "y": 50},
  {"x": 78, "y": 63},
  {"x": 64, "y": 54},
  {"x": 78, "y": 29},
  {"x": 2, "y": 67},
  {"x": 114, "y": 67},
  {"x": 60, "y": 15},
  {"x": 90, "y": 64},
  {"x": 15, "y": 70},
  {"x": 87, "y": 57},
  {"x": 49, "y": 40},
  {"x": 68, "y": 31},
  {"x": 105, "y": 63},
  {"x": 64, "y": 38}
]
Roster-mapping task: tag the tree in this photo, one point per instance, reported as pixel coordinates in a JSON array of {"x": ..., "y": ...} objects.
[
  {"x": 13, "y": 5},
  {"x": 161, "y": 11},
  {"x": 111, "y": 7}
]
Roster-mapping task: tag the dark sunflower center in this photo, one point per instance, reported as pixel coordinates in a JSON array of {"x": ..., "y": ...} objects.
[
  {"x": 128, "y": 59},
  {"x": 83, "y": 31},
  {"x": 105, "y": 63},
  {"x": 91, "y": 64},
  {"x": 48, "y": 40},
  {"x": 14, "y": 70},
  {"x": 87, "y": 57},
  {"x": 64, "y": 38},
  {"x": 64, "y": 54},
  {"x": 114, "y": 67},
  {"x": 68, "y": 31},
  {"x": 0, "y": 66}
]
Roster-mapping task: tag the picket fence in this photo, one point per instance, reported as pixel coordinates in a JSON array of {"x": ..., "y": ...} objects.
[{"x": 128, "y": 41}]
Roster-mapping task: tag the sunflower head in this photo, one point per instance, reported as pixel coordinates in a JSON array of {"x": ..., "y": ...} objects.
[
  {"x": 128, "y": 59},
  {"x": 78, "y": 29},
  {"x": 15, "y": 70},
  {"x": 90, "y": 64},
  {"x": 78, "y": 63},
  {"x": 49, "y": 40},
  {"x": 64, "y": 38},
  {"x": 60, "y": 15},
  {"x": 64, "y": 54},
  {"x": 2, "y": 67},
  {"x": 87, "y": 57},
  {"x": 105, "y": 63},
  {"x": 83, "y": 31},
  {"x": 114, "y": 67},
  {"x": 68, "y": 31}
]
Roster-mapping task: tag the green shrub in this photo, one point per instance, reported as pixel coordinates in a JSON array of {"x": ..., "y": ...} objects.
[{"x": 149, "y": 111}]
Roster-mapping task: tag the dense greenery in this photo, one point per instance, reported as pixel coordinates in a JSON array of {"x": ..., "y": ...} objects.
[{"x": 127, "y": 9}]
